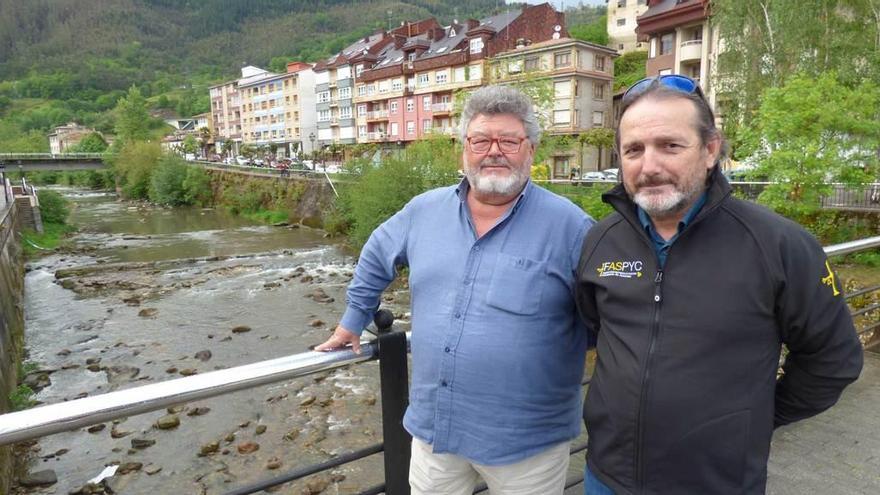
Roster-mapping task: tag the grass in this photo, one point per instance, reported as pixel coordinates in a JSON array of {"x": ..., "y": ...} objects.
[
  {"x": 21, "y": 398},
  {"x": 267, "y": 216},
  {"x": 53, "y": 236}
]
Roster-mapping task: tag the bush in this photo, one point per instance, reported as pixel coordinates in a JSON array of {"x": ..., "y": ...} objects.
[
  {"x": 166, "y": 181},
  {"x": 134, "y": 165},
  {"x": 53, "y": 207},
  {"x": 384, "y": 190},
  {"x": 197, "y": 187},
  {"x": 21, "y": 398}
]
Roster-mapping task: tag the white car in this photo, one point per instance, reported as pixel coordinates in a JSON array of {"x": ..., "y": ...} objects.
[
  {"x": 594, "y": 176},
  {"x": 611, "y": 173},
  {"x": 241, "y": 160}
]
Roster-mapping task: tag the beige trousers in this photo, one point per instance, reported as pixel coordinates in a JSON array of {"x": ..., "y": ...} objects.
[{"x": 449, "y": 474}]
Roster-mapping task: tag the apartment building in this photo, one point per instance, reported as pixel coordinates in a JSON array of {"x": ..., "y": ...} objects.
[
  {"x": 67, "y": 136},
  {"x": 334, "y": 87},
  {"x": 581, "y": 75},
  {"x": 408, "y": 92},
  {"x": 681, "y": 40},
  {"x": 226, "y": 116},
  {"x": 276, "y": 108},
  {"x": 621, "y": 24}
]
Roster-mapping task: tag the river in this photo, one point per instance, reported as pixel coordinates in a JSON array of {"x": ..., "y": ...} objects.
[{"x": 146, "y": 294}]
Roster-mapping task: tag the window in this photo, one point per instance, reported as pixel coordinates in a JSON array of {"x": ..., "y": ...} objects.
[
  {"x": 410, "y": 105},
  {"x": 397, "y": 85},
  {"x": 424, "y": 79},
  {"x": 561, "y": 117},
  {"x": 459, "y": 74},
  {"x": 323, "y": 97},
  {"x": 560, "y": 166},
  {"x": 395, "y": 129},
  {"x": 362, "y": 110},
  {"x": 287, "y": 99},
  {"x": 323, "y": 115},
  {"x": 410, "y": 127},
  {"x": 296, "y": 116},
  {"x": 426, "y": 125},
  {"x": 666, "y": 43},
  {"x": 426, "y": 103},
  {"x": 598, "y": 119},
  {"x": 599, "y": 63},
  {"x": 442, "y": 77},
  {"x": 345, "y": 113},
  {"x": 383, "y": 86},
  {"x": 514, "y": 66},
  {"x": 344, "y": 93},
  {"x": 476, "y": 45},
  {"x": 362, "y": 90},
  {"x": 621, "y": 21},
  {"x": 621, "y": 3},
  {"x": 562, "y": 89},
  {"x": 598, "y": 91},
  {"x": 562, "y": 59},
  {"x": 371, "y": 89},
  {"x": 475, "y": 72},
  {"x": 358, "y": 70},
  {"x": 393, "y": 107},
  {"x": 531, "y": 64},
  {"x": 362, "y": 130},
  {"x": 445, "y": 99}
]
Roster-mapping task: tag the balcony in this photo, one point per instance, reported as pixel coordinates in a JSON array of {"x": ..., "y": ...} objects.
[
  {"x": 377, "y": 115},
  {"x": 331, "y": 84},
  {"x": 691, "y": 51},
  {"x": 441, "y": 107},
  {"x": 334, "y": 121},
  {"x": 334, "y": 103},
  {"x": 376, "y": 136}
]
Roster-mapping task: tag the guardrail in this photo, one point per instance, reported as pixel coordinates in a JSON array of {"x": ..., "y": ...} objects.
[
  {"x": 51, "y": 156},
  {"x": 390, "y": 348}
]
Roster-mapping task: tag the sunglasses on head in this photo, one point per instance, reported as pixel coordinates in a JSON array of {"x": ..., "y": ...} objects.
[{"x": 677, "y": 82}]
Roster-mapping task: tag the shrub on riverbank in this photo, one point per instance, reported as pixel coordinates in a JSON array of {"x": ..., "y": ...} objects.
[
  {"x": 53, "y": 207},
  {"x": 54, "y": 210},
  {"x": 386, "y": 188}
]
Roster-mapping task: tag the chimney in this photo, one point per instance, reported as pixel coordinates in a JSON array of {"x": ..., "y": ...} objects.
[
  {"x": 399, "y": 40},
  {"x": 439, "y": 32},
  {"x": 472, "y": 23}
]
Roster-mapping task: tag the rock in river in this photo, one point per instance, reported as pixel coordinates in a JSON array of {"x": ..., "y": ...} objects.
[
  {"x": 204, "y": 355},
  {"x": 241, "y": 329},
  {"x": 168, "y": 422},
  {"x": 40, "y": 478},
  {"x": 148, "y": 312}
]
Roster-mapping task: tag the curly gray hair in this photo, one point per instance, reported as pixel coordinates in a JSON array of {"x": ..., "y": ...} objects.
[{"x": 495, "y": 100}]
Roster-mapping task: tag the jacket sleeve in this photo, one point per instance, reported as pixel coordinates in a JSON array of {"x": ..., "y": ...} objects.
[
  {"x": 384, "y": 251},
  {"x": 824, "y": 352},
  {"x": 584, "y": 295}
]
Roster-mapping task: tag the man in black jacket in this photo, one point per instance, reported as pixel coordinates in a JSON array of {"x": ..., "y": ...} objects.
[{"x": 692, "y": 293}]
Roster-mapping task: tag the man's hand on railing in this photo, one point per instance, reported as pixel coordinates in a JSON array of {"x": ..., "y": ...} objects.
[{"x": 340, "y": 338}]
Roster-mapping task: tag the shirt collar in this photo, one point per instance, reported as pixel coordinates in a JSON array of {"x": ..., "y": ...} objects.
[{"x": 648, "y": 225}]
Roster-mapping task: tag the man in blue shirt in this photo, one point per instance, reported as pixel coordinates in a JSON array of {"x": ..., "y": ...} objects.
[{"x": 498, "y": 352}]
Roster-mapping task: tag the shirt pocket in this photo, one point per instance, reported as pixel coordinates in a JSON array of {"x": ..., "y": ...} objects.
[{"x": 517, "y": 284}]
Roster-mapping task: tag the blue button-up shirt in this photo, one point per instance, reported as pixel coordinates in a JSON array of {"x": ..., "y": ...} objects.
[
  {"x": 661, "y": 245},
  {"x": 497, "y": 349}
]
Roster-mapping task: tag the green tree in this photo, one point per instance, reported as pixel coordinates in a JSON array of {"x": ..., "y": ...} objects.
[
  {"x": 134, "y": 165},
  {"x": 53, "y": 207},
  {"x": 600, "y": 138},
  {"x": 385, "y": 189},
  {"x": 190, "y": 145},
  {"x": 93, "y": 143},
  {"x": 629, "y": 68},
  {"x": 197, "y": 187},
  {"x": 811, "y": 132},
  {"x": 166, "y": 181},
  {"x": 768, "y": 41},
  {"x": 132, "y": 119},
  {"x": 594, "y": 32}
]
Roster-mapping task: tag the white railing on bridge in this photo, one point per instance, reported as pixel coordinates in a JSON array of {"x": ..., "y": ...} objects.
[{"x": 50, "y": 156}]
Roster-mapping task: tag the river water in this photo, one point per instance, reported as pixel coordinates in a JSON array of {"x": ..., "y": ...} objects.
[{"x": 146, "y": 293}]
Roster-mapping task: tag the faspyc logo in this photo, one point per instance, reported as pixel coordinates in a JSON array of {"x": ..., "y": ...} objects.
[{"x": 622, "y": 269}]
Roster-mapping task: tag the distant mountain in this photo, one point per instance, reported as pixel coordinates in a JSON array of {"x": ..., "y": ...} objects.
[{"x": 195, "y": 36}]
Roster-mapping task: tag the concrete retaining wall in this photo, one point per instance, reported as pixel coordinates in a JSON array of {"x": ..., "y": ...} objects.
[{"x": 11, "y": 321}]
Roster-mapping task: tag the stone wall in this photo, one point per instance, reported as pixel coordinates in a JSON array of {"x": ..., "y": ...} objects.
[
  {"x": 11, "y": 322},
  {"x": 306, "y": 199}
]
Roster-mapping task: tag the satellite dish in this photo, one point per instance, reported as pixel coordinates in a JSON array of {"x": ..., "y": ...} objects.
[{"x": 557, "y": 28}]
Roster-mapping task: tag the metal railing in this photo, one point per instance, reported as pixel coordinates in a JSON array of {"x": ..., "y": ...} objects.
[
  {"x": 51, "y": 156},
  {"x": 390, "y": 348}
]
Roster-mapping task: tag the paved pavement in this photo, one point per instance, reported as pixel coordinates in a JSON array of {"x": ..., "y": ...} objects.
[{"x": 834, "y": 453}]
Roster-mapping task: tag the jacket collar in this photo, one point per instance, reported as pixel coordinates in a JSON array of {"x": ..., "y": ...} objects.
[{"x": 716, "y": 191}]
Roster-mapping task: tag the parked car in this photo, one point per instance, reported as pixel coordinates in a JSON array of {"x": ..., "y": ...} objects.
[
  {"x": 241, "y": 160},
  {"x": 594, "y": 176},
  {"x": 611, "y": 174}
]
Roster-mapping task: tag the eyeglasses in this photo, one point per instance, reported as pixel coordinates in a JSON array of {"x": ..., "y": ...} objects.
[
  {"x": 677, "y": 82},
  {"x": 507, "y": 145}
]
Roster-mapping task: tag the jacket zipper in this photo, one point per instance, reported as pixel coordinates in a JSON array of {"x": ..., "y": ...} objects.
[{"x": 646, "y": 377}]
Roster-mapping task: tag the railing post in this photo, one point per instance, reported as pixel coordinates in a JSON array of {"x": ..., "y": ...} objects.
[{"x": 393, "y": 372}]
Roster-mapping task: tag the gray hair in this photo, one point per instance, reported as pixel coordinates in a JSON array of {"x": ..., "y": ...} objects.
[{"x": 496, "y": 100}]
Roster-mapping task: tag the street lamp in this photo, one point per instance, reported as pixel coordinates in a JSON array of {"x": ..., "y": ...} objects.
[{"x": 312, "y": 139}]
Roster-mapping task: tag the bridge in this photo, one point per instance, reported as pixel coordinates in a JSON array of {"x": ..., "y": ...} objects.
[
  {"x": 31, "y": 162},
  {"x": 833, "y": 453}
]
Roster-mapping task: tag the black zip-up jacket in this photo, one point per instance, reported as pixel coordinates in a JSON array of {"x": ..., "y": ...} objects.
[{"x": 685, "y": 394}]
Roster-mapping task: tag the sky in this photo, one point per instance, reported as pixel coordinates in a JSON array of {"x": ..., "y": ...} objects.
[{"x": 569, "y": 3}]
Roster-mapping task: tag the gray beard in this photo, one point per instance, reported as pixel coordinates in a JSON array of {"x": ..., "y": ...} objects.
[{"x": 495, "y": 185}]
